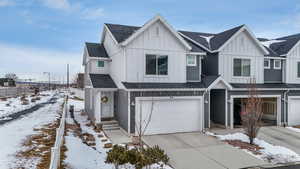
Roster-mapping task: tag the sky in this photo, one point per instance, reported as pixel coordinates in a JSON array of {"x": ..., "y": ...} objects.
[{"x": 39, "y": 36}]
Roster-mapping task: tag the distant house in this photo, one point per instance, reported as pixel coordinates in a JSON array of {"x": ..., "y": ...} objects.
[
  {"x": 7, "y": 82},
  {"x": 80, "y": 80}
]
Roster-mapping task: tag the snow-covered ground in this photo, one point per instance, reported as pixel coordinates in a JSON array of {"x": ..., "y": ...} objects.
[
  {"x": 16, "y": 106},
  {"x": 13, "y": 134},
  {"x": 271, "y": 153},
  {"x": 294, "y": 129}
]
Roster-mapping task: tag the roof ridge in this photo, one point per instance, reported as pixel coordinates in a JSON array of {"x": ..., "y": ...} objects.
[{"x": 122, "y": 25}]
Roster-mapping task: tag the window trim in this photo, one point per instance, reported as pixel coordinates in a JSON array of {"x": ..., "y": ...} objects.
[
  {"x": 298, "y": 73},
  {"x": 278, "y": 68},
  {"x": 194, "y": 59},
  {"x": 99, "y": 62},
  {"x": 269, "y": 64},
  {"x": 156, "y": 56},
  {"x": 241, "y": 68}
]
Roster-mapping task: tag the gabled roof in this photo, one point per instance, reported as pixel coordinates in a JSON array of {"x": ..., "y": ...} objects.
[
  {"x": 131, "y": 32},
  {"x": 96, "y": 50},
  {"x": 102, "y": 81}
]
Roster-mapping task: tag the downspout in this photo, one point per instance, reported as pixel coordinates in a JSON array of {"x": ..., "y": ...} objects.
[{"x": 285, "y": 107}]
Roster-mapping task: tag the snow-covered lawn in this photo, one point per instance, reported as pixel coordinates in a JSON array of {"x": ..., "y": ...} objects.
[
  {"x": 294, "y": 129},
  {"x": 13, "y": 134},
  {"x": 268, "y": 152},
  {"x": 16, "y": 106}
]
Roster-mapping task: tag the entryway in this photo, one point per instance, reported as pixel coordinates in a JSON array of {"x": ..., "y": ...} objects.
[{"x": 218, "y": 108}]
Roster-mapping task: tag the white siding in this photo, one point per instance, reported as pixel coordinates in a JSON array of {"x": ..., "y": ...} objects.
[
  {"x": 291, "y": 65},
  {"x": 149, "y": 43},
  {"x": 116, "y": 53},
  {"x": 242, "y": 46},
  {"x": 93, "y": 68}
]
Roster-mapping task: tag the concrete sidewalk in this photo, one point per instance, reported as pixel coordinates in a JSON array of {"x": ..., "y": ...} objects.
[
  {"x": 198, "y": 151},
  {"x": 117, "y": 136}
]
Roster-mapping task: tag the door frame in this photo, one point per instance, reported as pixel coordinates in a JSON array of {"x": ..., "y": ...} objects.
[
  {"x": 278, "y": 119},
  {"x": 201, "y": 102}
]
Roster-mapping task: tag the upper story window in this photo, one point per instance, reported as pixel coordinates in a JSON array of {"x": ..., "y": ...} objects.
[
  {"x": 267, "y": 63},
  {"x": 156, "y": 64},
  {"x": 277, "y": 64},
  {"x": 241, "y": 67},
  {"x": 100, "y": 63},
  {"x": 298, "y": 69},
  {"x": 191, "y": 60}
]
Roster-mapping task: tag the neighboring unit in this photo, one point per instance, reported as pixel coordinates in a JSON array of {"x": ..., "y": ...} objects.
[{"x": 188, "y": 81}]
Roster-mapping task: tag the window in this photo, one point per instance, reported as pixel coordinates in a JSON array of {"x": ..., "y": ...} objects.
[
  {"x": 298, "y": 69},
  {"x": 267, "y": 64},
  {"x": 241, "y": 67},
  {"x": 191, "y": 60},
  {"x": 100, "y": 64},
  {"x": 277, "y": 64},
  {"x": 156, "y": 65}
]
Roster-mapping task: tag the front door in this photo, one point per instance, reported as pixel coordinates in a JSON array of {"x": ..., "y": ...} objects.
[{"x": 107, "y": 104}]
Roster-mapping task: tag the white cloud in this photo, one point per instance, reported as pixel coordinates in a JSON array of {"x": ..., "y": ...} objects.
[
  {"x": 4, "y": 3},
  {"x": 92, "y": 14},
  {"x": 32, "y": 62},
  {"x": 57, "y": 4}
]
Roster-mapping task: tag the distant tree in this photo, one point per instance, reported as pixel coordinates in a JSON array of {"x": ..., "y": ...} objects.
[
  {"x": 252, "y": 113},
  {"x": 11, "y": 76}
]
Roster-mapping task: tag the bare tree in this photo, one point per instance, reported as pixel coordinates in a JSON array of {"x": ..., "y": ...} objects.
[
  {"x": 142, "y": 123},
  {"x": 252, "y": 113},
  {"x": 11, "y": 76}
]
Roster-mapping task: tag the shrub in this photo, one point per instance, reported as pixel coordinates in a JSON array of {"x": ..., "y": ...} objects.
[{"x": 116, "y": 156}]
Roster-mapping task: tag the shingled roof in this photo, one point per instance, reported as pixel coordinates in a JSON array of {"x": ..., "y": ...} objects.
[{"x": 96, "y": 50}]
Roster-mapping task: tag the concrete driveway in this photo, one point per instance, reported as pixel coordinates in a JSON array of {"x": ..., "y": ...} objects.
[
  {"x": 198, "y": 151},
  {"x": 281, "y": 136}
]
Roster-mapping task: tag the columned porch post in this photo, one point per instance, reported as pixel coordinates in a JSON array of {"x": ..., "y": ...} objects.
[{"x": 97, "y": 104}]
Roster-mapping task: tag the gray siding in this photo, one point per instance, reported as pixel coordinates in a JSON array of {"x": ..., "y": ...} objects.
[
  {"x": 206, "y": 111},
  {"x": 133, "y": 95},
  {"x": 273, "y": 75},
  {"x": 121, "y": 107},
  {"x": 217, "y": 106},
  {"x": 210, "y": 64},
  {"x": 193, "y": 72}
]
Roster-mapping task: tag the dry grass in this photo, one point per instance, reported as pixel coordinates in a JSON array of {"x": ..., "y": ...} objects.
[
  {"x": 246, "y": 146},
  {"x": 297, "y": 127},
  {"x": 39, "y": 145}
]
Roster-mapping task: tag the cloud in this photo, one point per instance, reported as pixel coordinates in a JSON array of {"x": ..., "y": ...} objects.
[
  {"x": 57, "y": 4},
  {"x": 28, "y": 61},
  {"x": 4, "y": 3},
  {"x": 92, "y": 14}
]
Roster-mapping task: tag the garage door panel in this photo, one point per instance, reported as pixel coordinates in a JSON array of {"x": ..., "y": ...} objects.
[
  {"x": 171, "y": 115},
  {"x": 294, "y": 112}
]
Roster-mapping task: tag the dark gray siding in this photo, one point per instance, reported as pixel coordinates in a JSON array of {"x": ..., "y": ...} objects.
[
  {"x": 210, "y": 64},
  {"x": 193, "y": 72},
  {"x": 121, "y": 105},
  {"x": 217, "y": 106},
  {"x": 273, "y": 75},
  {"x": 206, "y": 110},
  {"x": 133, "y": 95}
]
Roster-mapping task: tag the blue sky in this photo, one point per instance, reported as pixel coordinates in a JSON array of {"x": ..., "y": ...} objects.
[{"x": 44, "y": 35}]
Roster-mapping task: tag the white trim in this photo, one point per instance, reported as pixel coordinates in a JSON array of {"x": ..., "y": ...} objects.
[
  {"x": 278, "y": 68},
  {"x": 106, "y": 89},
  {"x": 270, "y": 57},
  {"x": 148, "y": 24},
  {"x": 196, "y": 53},
  {"x": 100, "y": 58},
  {"x": 298, "y": 43},
  {"x": 194, "y": 59},
  {"x": 209, "y": 109},
  {"x": 232, "y": 97},
  {"x": 167, "y": 89},
  {"x": 251, "y": 35},
  {"x": 243, "y": 89},
  {"x": 226, "y": 108},
  {"x": 219, "y": 79},
  {"x": 269, "y": 63},
  {"x": 105, "y": 28},
  {"x": 128, "y": 111}
]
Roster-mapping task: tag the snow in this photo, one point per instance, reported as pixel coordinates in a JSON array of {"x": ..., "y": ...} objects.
[
  {"x": 270, "y": 42},
  {"x": 16, "y": 106},
  {"x": 13, "y": 133},
  {"x": 78, "y": 104},
  {"x": 207, "y": 38},
  {"x": 269, "y": 152},
  {"x": 294, "y": 129}
]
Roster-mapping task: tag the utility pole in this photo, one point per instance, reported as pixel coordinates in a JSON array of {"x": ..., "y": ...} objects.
[
  {"x": 48, "y": 79},
  {"x": 68, "y": 76}
]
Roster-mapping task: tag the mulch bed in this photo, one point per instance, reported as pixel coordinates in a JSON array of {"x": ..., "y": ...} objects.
[{"x": 246, "y": 146}]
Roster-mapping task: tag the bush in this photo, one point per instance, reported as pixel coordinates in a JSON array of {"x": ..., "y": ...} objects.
[{"x": 119, "y": 155}]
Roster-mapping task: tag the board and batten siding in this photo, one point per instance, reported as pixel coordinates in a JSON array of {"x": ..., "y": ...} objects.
[
  {"x": 291, "y": 65},
  {"x": 242, "y": 46},
  {"x": 148, "y": 42},
  {"x": 117, "y": 64},
  {"x": 93, "y": 67}
]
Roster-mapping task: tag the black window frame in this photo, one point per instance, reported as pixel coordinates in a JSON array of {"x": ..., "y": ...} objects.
[
  {"x": 161, "y": 69},
  {"x": 241, "y": 72},
  {"x": 298, "y": 69}
]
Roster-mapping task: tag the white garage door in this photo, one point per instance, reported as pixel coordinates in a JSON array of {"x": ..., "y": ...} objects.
[
  {"x": 294, "y": 112},
  {"x": 170, "y": 115}
]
